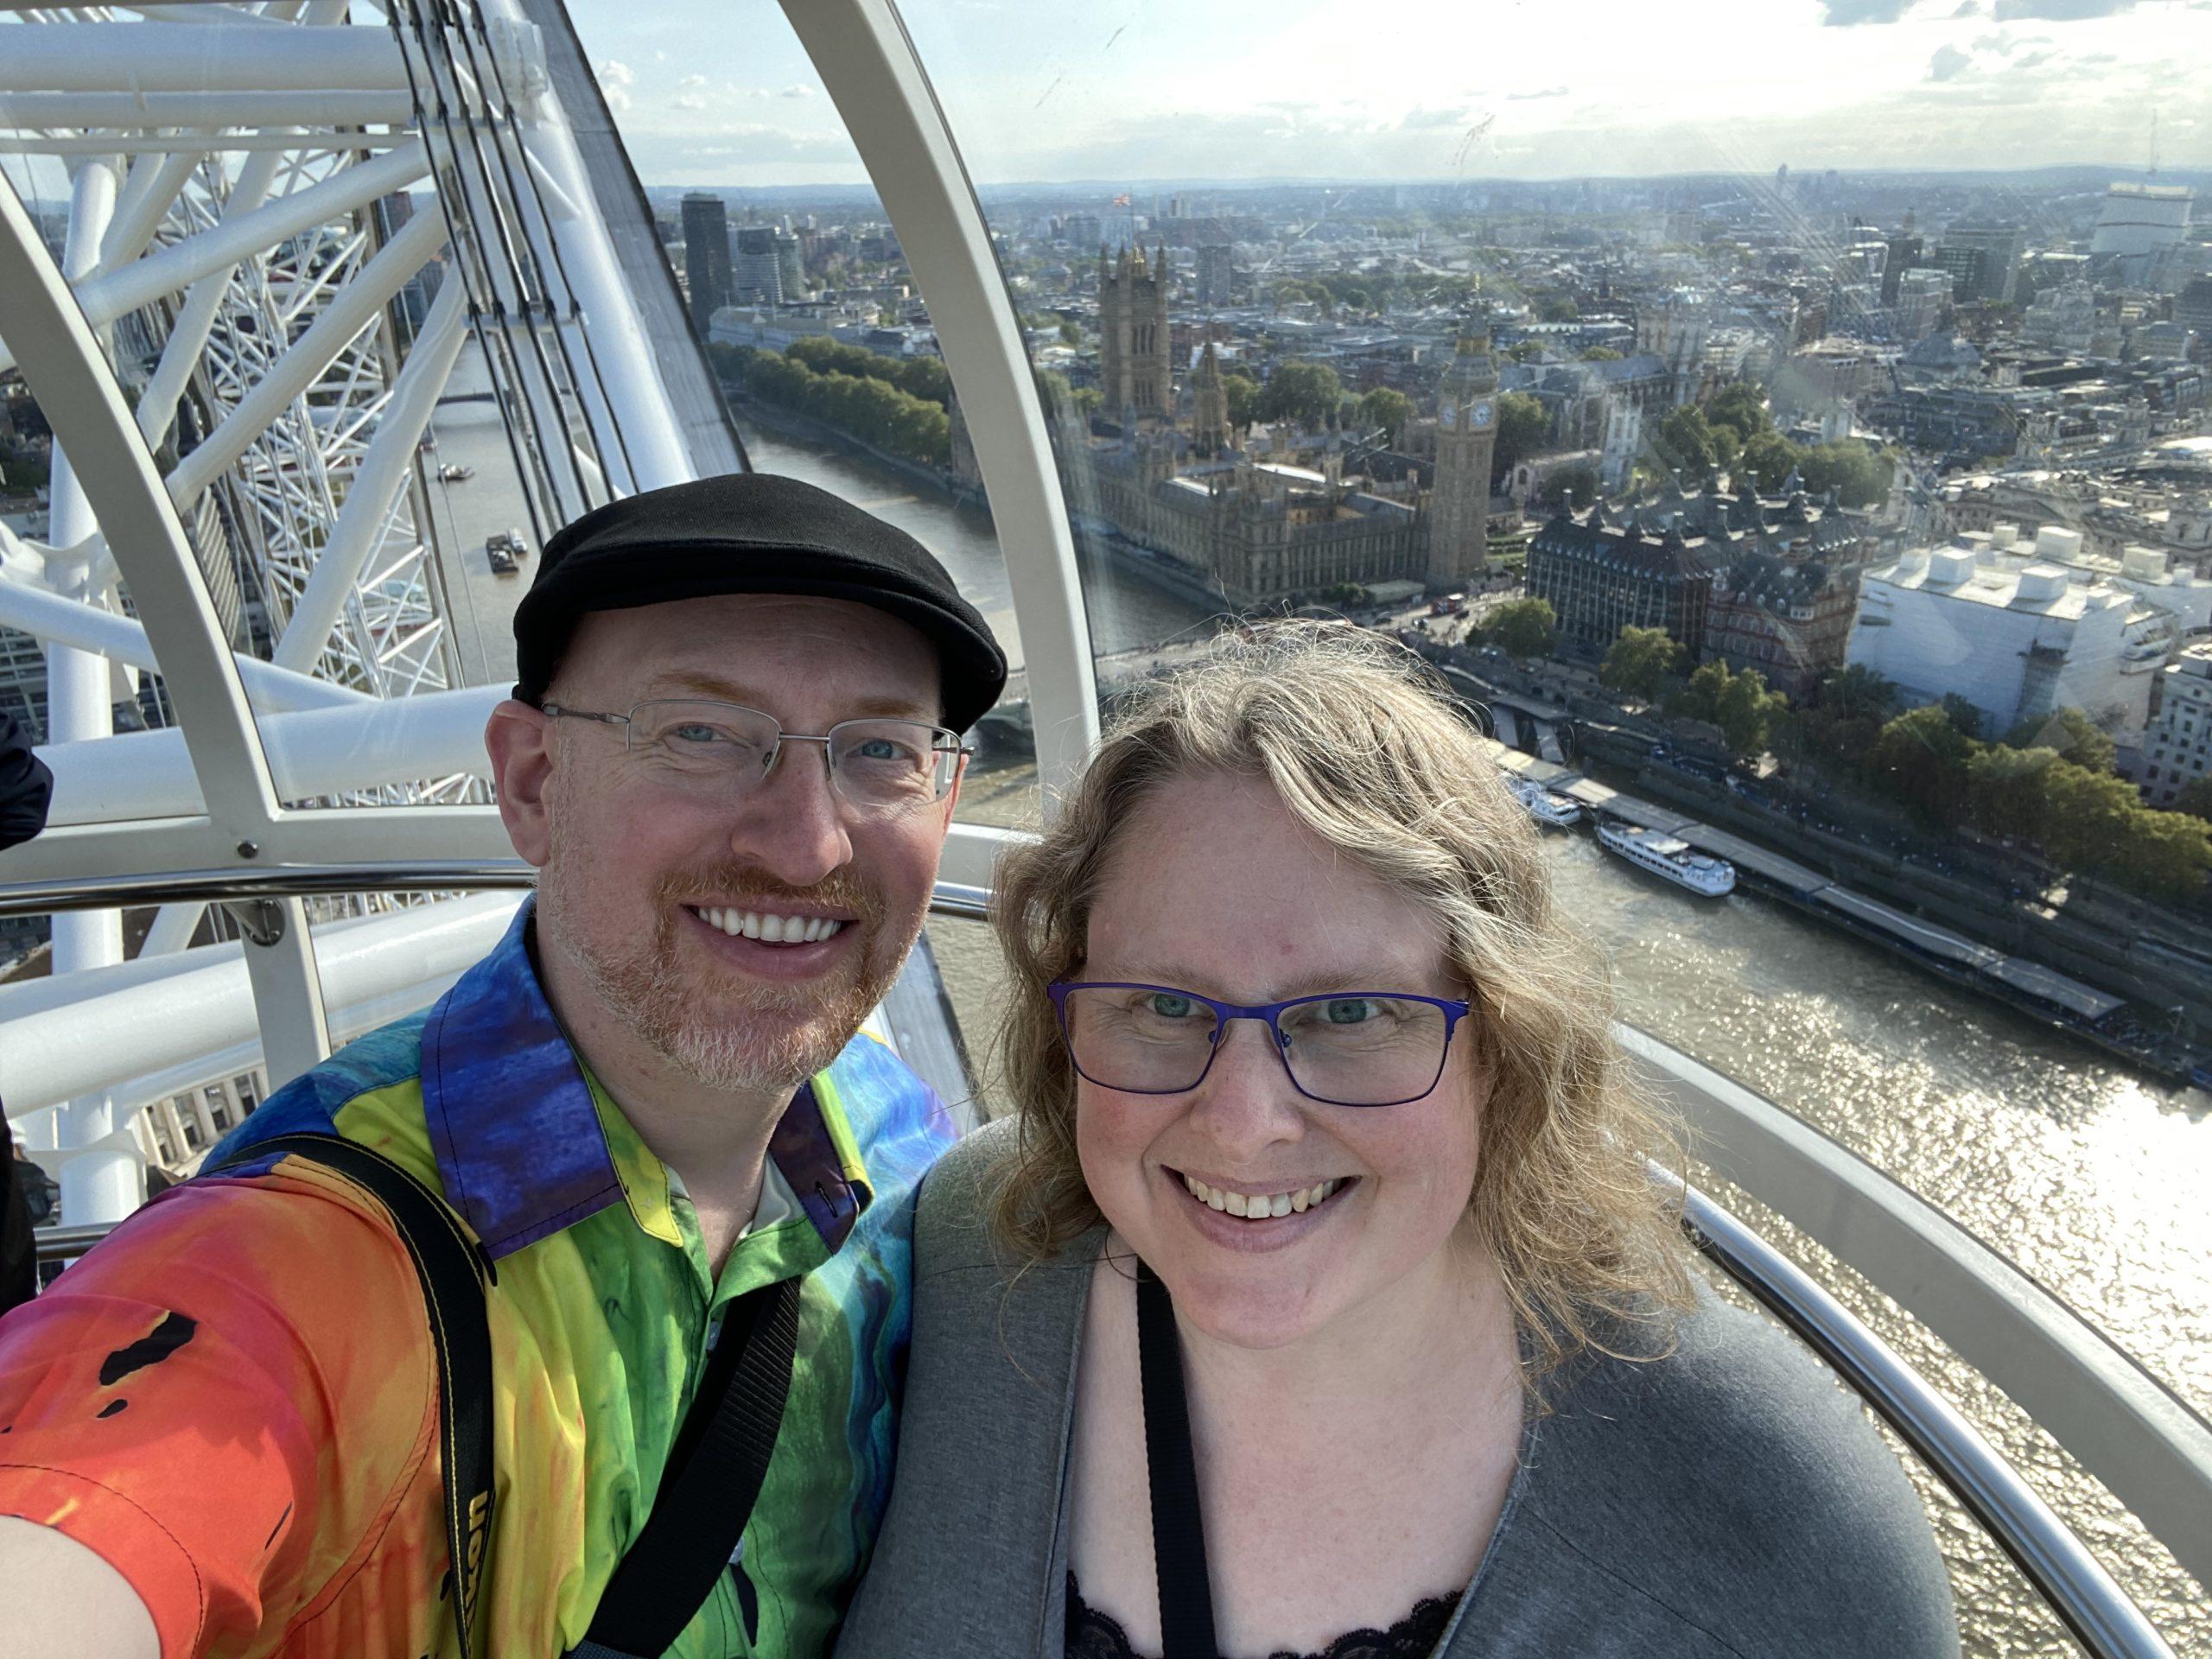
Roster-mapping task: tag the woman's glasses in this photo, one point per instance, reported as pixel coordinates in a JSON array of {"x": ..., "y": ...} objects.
[{"x": 1342, "y": 1048}]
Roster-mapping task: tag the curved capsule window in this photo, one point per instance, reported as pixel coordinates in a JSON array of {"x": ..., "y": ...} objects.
[{"x": 1784, "y": 431}]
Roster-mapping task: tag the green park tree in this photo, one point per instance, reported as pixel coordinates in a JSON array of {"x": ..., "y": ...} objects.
[
  {"x": 1748, "y": 714},
  {"x": 1920, "y": 759},
  {"x": 1573, "y": 487},
  {"x": 1524, "y": 427},
  {"x": 2195, "y": 799},
  {"x": 1243, "y": 394},
  {"x": 2070, "y": 732},
  {"x": 1388, "y": 408},
  {"x": 2008, "y": 791},
  {"x": 1643, "y": 663},
  {"x": 1304, "y": 392},
  {"x": 1523, "y": 627}
]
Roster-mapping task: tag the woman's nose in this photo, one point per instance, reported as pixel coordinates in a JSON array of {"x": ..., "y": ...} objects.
[{"x": 1247, "y": 1100}]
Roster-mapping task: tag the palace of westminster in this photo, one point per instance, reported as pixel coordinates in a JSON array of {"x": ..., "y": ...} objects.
[{"x": 1265, "y": 529}]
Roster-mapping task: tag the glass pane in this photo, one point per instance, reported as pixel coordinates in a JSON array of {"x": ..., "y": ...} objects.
[
  {"x": 817, "y": 333},
  {"x": 1861, "y": 378}
]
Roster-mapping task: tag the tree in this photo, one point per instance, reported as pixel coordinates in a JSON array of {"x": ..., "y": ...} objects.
[
  {"x": 1856, "y": 690},
  {"x": 2195, "y": 799},
  {"x": 1347, "y": 596},
  {"x": 1921, "y": 759},
  {"x": 1641, "y": 662},
  {"x": 1601, "y": 354},
  {"x": 1387, "y": 409},
  {"x": 1243, "y": 399},
  {"x": 2165, "y": 855},
  {"x": 1523, "y": 427},
  {"x": 1560, "y": 308},
  {"x": 925, "y": 378},
  {"x": 1571, "y": 487},
  {"x": 2087, "y": 818},
  {"x": 1069, "y": 334},
  {"x": 1523, "y": 627},
  {"x": 1699, "y": 696},
  {"x": 1741, "y": 409},
  {"x": 1685, "y": 442},
  {"x": 1963, "y": 714},
  {"x": 2008, "y": 791},
  {"x": 1747, "y": 712},
  {"x": 2070, "y": 732},
  {"x": 1303, "y": 392}
]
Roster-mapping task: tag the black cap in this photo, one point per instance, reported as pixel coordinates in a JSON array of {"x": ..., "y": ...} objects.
[{"x": 751, "y": 533}]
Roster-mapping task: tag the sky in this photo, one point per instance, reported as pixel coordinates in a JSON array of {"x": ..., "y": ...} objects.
[{"x": 719, "y": 91}]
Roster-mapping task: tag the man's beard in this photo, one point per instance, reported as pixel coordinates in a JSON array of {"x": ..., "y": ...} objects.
[{"x": 731, "y": 1034}]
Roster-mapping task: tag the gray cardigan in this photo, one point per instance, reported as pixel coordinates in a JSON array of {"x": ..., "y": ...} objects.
[{"x": 1728, "y": 1500}]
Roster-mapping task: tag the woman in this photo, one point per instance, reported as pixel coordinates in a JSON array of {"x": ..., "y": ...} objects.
[{"x": 1317, "y": 1299}]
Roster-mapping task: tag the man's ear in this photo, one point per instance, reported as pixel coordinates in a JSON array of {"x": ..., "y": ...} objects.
[{"x": 520, "y": 740}]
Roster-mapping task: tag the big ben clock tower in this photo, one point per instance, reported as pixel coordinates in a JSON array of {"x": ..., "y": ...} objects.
[{"x": 1466, "y": 438}]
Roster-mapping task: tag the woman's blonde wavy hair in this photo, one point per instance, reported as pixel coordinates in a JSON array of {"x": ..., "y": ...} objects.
[{"x": 1353, "y": 733}]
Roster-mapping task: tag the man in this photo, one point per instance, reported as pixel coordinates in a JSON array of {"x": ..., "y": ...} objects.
[
  {"x": 727, "y": 755},
  {"x": 25, "y": 786}
]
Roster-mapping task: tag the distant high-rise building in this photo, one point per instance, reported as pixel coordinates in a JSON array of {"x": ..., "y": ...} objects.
[
  {"x": 706, "y": 256},
  {"x": 791, "y": 269},
  {"x": 1920, "y": 299},
  {"x": 757, "y": 278},
  {"x": 2142, "y": 218},
  {"x": 1905, "y": 254},
  {"x": 1466, "y": 438},
  {"x": 2193, "y": 309},
  {"x": 1133, "y": 344},
  {"x": 1216, "y": 274},
  {"x": 1998, "y": 242},
  {"x": 1083, "y": 230}
]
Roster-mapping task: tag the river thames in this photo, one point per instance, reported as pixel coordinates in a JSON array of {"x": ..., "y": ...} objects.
[{"x": 2093, "y": 1181}]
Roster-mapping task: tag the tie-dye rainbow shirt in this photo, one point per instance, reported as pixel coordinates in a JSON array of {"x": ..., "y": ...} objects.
[{"x": 233, "y": 1399}]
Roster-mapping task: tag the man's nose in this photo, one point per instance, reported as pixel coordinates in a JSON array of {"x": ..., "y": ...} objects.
[
  {"x": 792, "y": 824},
  {"x": 1247, "y": 1100}
]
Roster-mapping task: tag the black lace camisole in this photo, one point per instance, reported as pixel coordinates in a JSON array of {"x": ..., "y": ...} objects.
[{"x": 1093, "y": 1634}]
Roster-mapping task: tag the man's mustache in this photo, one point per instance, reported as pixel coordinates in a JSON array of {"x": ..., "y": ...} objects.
[{"x": 746, "y": 888}]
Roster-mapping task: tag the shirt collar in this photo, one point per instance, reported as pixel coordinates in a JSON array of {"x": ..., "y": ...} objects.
[{"x": 524, "y": 1148}]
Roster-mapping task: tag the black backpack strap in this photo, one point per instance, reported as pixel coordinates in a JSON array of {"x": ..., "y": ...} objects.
[
  {"x": 713, "y": 1479},
  {"x": 453, "y": 1268}
]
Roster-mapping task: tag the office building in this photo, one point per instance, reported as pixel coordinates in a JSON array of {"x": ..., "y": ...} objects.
[
  {"x": 2177, "y": 745},
  {"x": 706, "y": 257},
  {"x": 757, "y": 276}
]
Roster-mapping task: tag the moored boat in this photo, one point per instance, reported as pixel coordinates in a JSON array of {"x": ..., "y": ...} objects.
[
  {"x": 1543, "y": 804},
  {"x": 1669, "y": 857}
]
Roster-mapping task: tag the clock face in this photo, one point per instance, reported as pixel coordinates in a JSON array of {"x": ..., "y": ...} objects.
[
  {"x": 1481, "y": 414},
  {"x": 1447, "y": 417}
]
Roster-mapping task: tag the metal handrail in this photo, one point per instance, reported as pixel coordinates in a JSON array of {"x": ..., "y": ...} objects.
[
  {"x": 2046, "y": 1550},
  {"x": 2062, "y": 1569},
  {"x": 260, "y": 882}
]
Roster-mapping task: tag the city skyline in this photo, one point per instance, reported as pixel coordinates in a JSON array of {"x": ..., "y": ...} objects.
[{"x": 1244, "y": 92}]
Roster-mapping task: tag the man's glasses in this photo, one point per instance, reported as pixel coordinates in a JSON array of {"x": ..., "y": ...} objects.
[
  {"x": 1342, "y": 1048},
  {"x": 717, "y": 749}
]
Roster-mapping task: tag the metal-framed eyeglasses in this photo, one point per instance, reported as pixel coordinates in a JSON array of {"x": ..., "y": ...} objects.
[
  {"x": 703, "y": 748},
  {"x": 1342, "y": 1048}
]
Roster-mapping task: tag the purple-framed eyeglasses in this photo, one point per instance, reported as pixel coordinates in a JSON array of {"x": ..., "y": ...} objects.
[{"x": 1342, "y": 1048}]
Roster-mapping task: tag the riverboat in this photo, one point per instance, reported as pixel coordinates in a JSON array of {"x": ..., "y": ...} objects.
[
  {"x": 1544, "y": 805},
  {"x": 1669, "y": 857}
]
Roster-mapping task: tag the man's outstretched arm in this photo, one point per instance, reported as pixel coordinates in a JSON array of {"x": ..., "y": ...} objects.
[
  {"x": 65, "y": 1602},
  {"x": 220, "y": 1406}
]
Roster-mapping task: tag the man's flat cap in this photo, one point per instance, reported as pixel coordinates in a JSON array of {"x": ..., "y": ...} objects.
[{"x": 751, "y": 533}]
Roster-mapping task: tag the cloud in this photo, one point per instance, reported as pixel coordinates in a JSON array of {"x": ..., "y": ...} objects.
[
  {"x": 615, "y": 80},
  {"x": 689, "y": 101},
  {"x": 1947, "y": 63},
  {"x": 798, "y": 90},
  {"x": 692, "y": 83},
  {"x": 2062, "y": 11},
  {"x": 1842, "y": 14},
  {"x": 1969, "y": 8},
  {"x": 1524, "y": 98},
  {"x": 1417, "y": 118}
]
